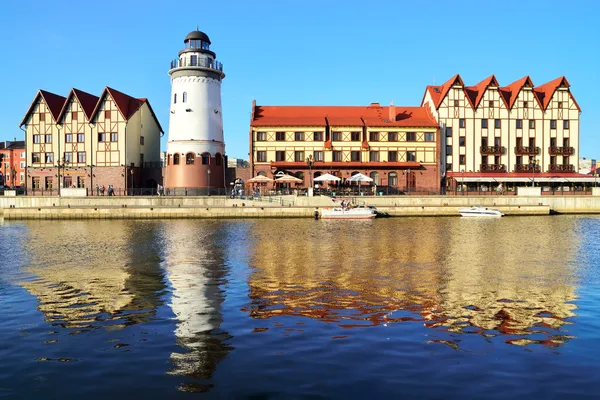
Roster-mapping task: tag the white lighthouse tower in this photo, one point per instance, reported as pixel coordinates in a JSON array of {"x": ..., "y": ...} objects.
[{"x": 195, "y": 148}]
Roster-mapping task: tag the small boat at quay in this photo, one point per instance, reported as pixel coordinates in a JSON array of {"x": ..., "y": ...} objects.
[
  {"x": 478, "y": 211},
  {"x": 349, "y": 213}
]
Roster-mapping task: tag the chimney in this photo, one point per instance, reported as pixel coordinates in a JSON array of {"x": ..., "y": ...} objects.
[{"x": 392, "y": 112}]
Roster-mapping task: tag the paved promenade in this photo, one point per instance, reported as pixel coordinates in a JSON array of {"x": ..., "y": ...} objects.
[{"x": 28, "y": 207}]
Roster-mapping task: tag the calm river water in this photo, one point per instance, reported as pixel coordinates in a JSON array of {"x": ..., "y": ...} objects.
[{"x": 420, "y": 307}]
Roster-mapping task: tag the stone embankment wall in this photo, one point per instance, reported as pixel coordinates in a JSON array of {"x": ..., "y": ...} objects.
[{"x": 27, "y": 207}]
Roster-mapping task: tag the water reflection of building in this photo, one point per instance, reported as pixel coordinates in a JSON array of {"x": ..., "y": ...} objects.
[
  {"x": 457, "y": 275},
  {"x": 110, "y": 276},
  {"x": 194, "y": 263}
]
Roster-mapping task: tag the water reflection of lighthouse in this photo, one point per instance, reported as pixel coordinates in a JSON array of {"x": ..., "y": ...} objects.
[{"x": 195, "y": 268}]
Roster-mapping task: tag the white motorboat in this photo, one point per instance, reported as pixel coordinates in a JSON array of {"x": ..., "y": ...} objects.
[
  {"x": 349, "y": 213},
  {"x": 478, "y": 211}
]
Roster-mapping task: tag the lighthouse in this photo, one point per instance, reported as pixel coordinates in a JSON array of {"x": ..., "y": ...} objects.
[{"x": 195, "y": 147}]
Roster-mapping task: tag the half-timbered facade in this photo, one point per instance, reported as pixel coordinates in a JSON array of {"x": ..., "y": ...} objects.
[
  {"x": 396, "y": 146},
  {"x": 84, "y": 140},
  {"x": 506, "y": 134}
]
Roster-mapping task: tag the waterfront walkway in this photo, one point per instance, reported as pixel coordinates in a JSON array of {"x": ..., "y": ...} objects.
[{"x": 29, "y": 207}]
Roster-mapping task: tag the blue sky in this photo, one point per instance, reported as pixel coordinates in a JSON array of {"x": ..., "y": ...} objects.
[{"x": 297, "y": 52}]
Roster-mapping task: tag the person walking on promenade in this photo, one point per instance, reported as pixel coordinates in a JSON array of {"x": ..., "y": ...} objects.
[{"x": 97, "y": 190}]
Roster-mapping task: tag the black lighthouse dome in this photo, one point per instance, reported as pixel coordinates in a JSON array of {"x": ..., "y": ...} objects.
[{"x": 197, "y": 35}]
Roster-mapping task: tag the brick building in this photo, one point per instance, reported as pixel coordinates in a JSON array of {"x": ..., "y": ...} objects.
[
  {"x": 396, "y": 146},
  {"x": 13, "y": 162},
  {"x": 83, "y": 140}
]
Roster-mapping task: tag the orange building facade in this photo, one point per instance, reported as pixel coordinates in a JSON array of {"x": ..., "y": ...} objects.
[
  {"x": 12, "y": 167},
  {"x": 396, "y": 146}
]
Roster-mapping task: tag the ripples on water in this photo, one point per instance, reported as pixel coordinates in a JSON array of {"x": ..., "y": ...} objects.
[{"x": 435, "y": 307}]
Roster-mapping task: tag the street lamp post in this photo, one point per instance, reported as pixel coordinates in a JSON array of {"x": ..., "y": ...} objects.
[
  {"x": 131, "y": 172},
  {"x": 534, "y": 164},
  {"x": 309, "y": 161},
  {"x": 60, "y": 165},
  {"x": 208, "y": 186}
]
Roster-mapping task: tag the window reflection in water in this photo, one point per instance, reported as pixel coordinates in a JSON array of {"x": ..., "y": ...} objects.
[{"x": 508, "y": 278}]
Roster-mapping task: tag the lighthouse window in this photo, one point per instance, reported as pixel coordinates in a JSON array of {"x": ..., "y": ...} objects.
[
  {"x": 185, "y": 97},
  {"x": 175, "y": 159},
  {"x": 189, "y": 159},
  {"x": 194, "y": 60},
  {"x": 175, "y": 98},
  {"x": 218, "y": 158},
  {"x": 205, "y": 158}
]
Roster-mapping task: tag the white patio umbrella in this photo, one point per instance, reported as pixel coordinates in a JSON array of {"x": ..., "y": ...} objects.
[
  {"x": 326, "y": 178},
  {"x": 359, "y": 178}
]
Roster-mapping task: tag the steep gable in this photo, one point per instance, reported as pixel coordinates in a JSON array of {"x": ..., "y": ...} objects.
[
  {"x": 510, "y": 93},
  {"x": 475, "y": 93},
  {"x": 439, "y": 93},
  {"x": 54, "y": 102},
  {"x": 545, "y": 92}
]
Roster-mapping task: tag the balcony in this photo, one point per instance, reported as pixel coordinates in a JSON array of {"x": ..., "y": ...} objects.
[
  {"x": 492, "y": 149},
  {"x": 561, "y": 151},
  {"x": 200, "y": 62},
  {"x": 527, "y": 150},
  {"x": 527, "y": 168},
  {"x": 492, "y": 168},
  {"x": 561, "y": 167}
]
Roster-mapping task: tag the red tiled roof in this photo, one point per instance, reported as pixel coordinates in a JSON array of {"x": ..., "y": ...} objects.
[
  {"x": 374, "y": 115},
  {"x": 54, "y": 102},
  {"x": 475, "y": 93},
  {"x": 438, "y": 93},
  {"x": 509, "y": 93},
  {"x": 87, "y": 101},
  {"x": 545, "y": 92},
  {"x": 126, "y": 104}
]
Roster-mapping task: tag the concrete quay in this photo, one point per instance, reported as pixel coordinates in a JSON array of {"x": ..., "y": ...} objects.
[{"x": 138, "y": 207}]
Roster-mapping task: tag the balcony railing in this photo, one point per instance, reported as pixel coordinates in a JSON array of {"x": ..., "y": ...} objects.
[
  {"x": 492, "y": 149},
  {"x": 564, "y": 151},
  {"x": 492, "y": 168},
  {"x": 561, "y": 168},
  {"x": 527, "y": 168},
  {"x": 527, "y": 150},
  {"x": 200, "y": 62}
]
